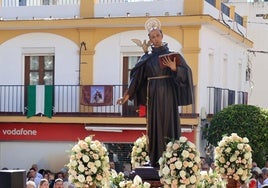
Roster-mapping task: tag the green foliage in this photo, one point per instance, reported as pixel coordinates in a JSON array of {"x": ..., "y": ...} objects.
[{"x": 245, "y": 120}]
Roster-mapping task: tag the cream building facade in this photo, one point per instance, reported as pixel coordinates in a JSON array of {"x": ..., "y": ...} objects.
[{"x": 87, "y": 42}]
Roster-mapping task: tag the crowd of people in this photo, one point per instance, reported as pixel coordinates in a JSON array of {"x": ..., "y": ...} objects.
[
  {"x": 259, "y": 177},
  {"x": 42, "y": 178}
]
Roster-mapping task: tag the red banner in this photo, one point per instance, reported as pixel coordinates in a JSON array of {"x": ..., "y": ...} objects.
[{"x": 66, "y": 132}]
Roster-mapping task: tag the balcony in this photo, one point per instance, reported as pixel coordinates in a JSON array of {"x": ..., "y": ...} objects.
[
  {"x": 73, "y": 101},
  {"x": 220, "y": 98}
]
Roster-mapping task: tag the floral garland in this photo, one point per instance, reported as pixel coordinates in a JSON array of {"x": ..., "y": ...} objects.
[
  {"x": 89, "y": 164},
  {"x": 180, "y": 164},
  {"x": 233, "y": 158},
  {"x": 211, "y": 180},
  {"x": 139, "y": 153}
]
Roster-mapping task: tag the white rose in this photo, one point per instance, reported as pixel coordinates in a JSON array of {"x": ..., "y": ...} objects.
[
  {"x": 137, "y": 180},
  {"x": 183, "y": 139},
  {"x": 82, "y": 144},
  {"x": 71, "y": 178},
  {"x": 165, "y": 170},
  {"x": 72, "y": 172},
  {"x": 168, "y": 154},
  {"x": 178, "y": 164},
  {"x": 247, "y": 155},
  {"x": 185, "y": 154},
  {"x": 182, "y": 173},
  {"x": 197, "y": 159},
  {"x": 191, "y": 145},
  {"x": 190, "y": 164},
  {"x": 93, "y": 146},
  {"x": 222, "y": 170},
  {"x": 233, "y": 158},
  {"x": 81, "y": 178},
  {"x": 244, "y": 178},
  {"x": 193, "y": 179},
  {"x": 73, "y": 163},
  {"x": 146, "y": 185},
  {"x": 222, "y": 160},
  {"x": 97, "y": 163},
  {"x": 139, "y": 150},
  {"x": 78, "y": 184},
  {"x": 175, "y": 146},
  {"x": 168, "y": 181},
  {"x": 240, "y": 146},
  {"x": 88, "y": 139},
  {"x": 169, "y": 145},
  {"x": 85, "y": 158},
  {"x": 90, "y": 165},
  {"x": 89, "y": 179},
  {"x": 76, "y": 148},
  {"x": 81, "y": 168},
  {"x": 161, "y": 160},
  {"x": 245, "y": 140},
  {"x": 144, "y": 154},
  {"x": 94, "y": 170},
  {"x": 228, "y": 150},
  {"x": 72, "y": 157},
  {"x": 240, "y": 171},
  {"x": 122, "y": 184}
]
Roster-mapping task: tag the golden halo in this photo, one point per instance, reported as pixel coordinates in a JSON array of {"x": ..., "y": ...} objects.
[{"x": 152, "y": 24}]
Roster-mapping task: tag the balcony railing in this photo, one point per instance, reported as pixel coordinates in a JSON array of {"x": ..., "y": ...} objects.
[
  {"x": 73, "y": 100},
  {"x": 219, "y": 98}
]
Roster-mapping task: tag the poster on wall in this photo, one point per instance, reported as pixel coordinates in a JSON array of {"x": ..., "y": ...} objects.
[{"x": 97, "y": 95}]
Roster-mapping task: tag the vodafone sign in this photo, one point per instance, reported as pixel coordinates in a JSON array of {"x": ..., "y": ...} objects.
[
  {"x": 67, "y": 132},
  {"x": 61, "y": 132},
  {"x": 19, "y": 132}
]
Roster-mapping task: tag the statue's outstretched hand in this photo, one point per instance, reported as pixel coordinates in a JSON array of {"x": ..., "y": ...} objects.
[
  {"x": 144, "y": 45},
  {"x": 122, "y": 100}
]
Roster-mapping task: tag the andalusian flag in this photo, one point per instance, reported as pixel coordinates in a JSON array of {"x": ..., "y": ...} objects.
[{"x": 40, "y": 100}]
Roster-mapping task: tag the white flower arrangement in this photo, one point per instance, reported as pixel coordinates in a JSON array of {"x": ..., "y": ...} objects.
[
  {"x": 180, "y": 164},
  {"x": 211, "y": 180},
  {"x": 89, "y": 164},
  {"x": 116, "y": 178},
  {"x": 233, "y": 158},
  {"x": 136, "y": 183},
  {"x": 118, "y": 181},
  {"x": 139, "y": 153}
]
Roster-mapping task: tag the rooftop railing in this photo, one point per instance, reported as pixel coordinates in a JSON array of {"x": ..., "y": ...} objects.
[{"x": 16, "y": 3}]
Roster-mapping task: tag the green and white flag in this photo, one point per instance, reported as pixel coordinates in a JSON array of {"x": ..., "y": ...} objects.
[{"x": 40, "y": 100}]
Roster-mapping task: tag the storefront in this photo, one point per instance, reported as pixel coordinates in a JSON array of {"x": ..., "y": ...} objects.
[{"x": 48, "y": 144}]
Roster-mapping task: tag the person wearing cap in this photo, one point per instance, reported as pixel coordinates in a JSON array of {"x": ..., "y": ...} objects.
[
  {"x": 58, "y": 183},
  {"x": 255, "y": 177},
  {"x": 264, "y": 171},
  {"x": 160, "y": 90}
]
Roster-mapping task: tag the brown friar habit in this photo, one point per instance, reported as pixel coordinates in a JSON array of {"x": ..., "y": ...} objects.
[{"x": 166, "y": 90}]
